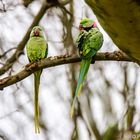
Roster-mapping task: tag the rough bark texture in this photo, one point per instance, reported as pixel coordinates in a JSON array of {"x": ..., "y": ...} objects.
[{"x": 121, "y": 20}]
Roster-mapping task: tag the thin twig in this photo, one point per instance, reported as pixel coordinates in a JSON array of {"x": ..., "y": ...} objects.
[{"x": 4, "y": 54}]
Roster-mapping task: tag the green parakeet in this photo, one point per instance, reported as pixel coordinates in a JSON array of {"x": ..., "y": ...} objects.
[
  {"x": 89, "y": 42},
  {"x": 37, "y": 49}
]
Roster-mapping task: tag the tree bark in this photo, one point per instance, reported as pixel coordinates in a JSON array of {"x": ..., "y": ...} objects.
[{"x": 55, "y": 61}]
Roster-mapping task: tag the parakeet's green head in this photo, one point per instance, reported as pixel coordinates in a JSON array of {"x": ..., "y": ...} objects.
[
  {"x": 87, "y": 23},
  {"x": 37, "y": 31}
]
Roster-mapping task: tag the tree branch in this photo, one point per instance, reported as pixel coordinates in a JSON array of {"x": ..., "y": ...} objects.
[{"x": 59, "y": 60}]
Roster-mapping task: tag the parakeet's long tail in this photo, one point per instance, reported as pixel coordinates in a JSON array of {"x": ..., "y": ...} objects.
[
  {"x": 85, "y": 63},
  {"x": 37, "y": 75}
]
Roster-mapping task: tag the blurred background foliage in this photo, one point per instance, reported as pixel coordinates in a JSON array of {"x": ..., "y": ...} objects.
[{"x": 109, "y": 107}]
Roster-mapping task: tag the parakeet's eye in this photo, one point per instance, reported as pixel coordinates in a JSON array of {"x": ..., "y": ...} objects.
[
  {"x": 94, "y": 25},
  {"x": 81, "y": 27}
]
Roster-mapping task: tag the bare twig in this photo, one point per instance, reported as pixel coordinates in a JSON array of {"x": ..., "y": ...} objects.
[
  {"x": 4, "y": 54},
  {"x": 65, "y": 9},
  {"x": 55, "y": 61},
  {"x": 64, "y": 2}
]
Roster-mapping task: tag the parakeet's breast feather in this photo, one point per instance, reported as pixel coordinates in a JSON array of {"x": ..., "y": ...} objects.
[{"x": 36, "y": 48}]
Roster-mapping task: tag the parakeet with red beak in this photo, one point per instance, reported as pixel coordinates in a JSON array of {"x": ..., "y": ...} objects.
[
  {"x": 89, "y": 41},
  {"x": 37, "y": 48}
]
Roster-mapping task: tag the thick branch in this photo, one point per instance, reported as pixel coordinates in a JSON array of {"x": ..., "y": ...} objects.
[{"x": 58, "y": 60}]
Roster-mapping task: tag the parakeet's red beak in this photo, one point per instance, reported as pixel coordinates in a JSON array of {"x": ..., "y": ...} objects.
[
  {"x": 94, "y": 25},
  {"x": 36, "y": 32},
  {"x": 81, "y": 27}
]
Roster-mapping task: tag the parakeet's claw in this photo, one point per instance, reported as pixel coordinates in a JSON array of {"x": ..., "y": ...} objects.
[
  {"x": 93, "y": 59},
  {"x": 119, "y": 54},
  {"x": 93, "y": 62}
]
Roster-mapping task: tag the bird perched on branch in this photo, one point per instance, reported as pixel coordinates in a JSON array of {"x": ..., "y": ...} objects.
[
  {"x": 89, "y": 41},
  {"x": 37, "y": 48}
]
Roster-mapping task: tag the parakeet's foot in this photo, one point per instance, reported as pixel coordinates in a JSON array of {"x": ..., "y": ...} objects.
[
  {"x": 93, "y": 59},
  {"x": 29, "y": 64},
  {"x": 119, "y": 54}
]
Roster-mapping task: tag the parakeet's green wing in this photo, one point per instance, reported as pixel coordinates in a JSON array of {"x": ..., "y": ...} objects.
[{"x": 81, "y": 37}]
